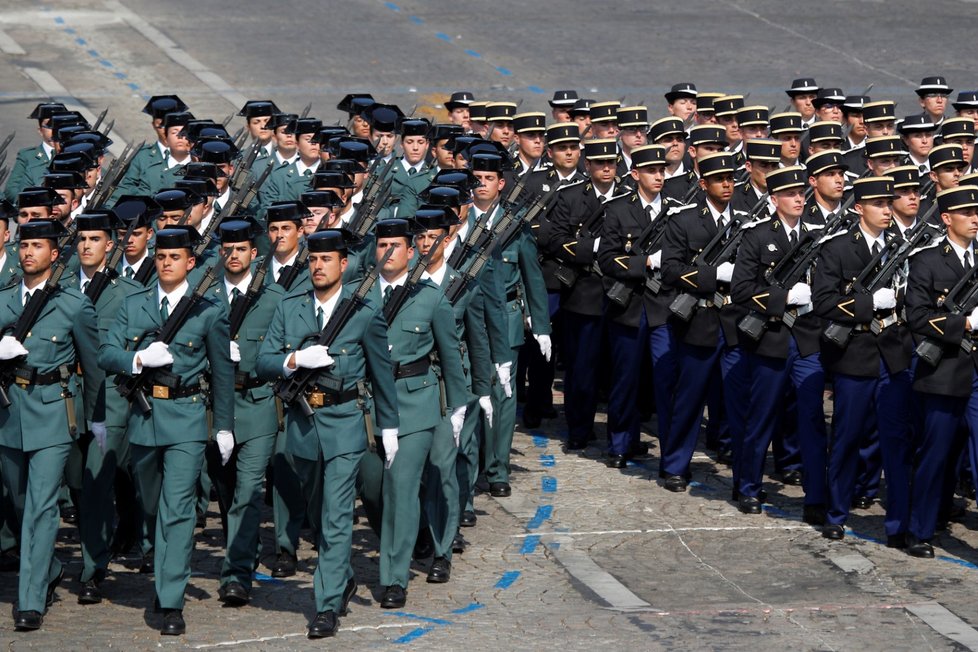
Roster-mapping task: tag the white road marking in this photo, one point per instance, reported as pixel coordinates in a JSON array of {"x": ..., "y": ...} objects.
[
  {"x": 609, "y": 589},
  {"x": 945, "y": 623},
  {"x": 281, "y": 637},
  {"x": 853, "y": 563},
  {"x": 664, "y": 530},
  {"x": 8, "y": 45}
]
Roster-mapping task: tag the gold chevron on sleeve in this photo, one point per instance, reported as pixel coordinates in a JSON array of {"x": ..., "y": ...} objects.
[
  {"x": 933, "y": 323},
  {"x": 622, "y": 260},
  {"x": 686, "y": 277},
  {"x": 842, "y": 307},
  {"x": 757, "y": 299},
  {"x": 567, "y": 247}
]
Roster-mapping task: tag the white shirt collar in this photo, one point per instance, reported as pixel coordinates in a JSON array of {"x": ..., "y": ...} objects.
[
  {"x": 825, "y": 211},
  {"x": 789, "y": 230},
  {"x": 277, "y": 266},
  {"x": 82, "y": 279},
  {"x": 174, "y": 163},
  {"x": 407, "y": 166},
  {"x": 438, "y": 278},
  {"x": 605, "y": 196},
  {"x": 347, "y": 215},
  {"x": 163, "y": 149},
  {"x": 48, "y": 150},
  {"x": 716, "y": 214},
  {"x": 397, "y": 282},
  {"x": 225, "y": 197},
  {"x": 959, "y": 251},
  {"x": 679, "y": 171},
  {"x": 242, "y": 286},
  {"x": 904, "y": 229},
  {"x": 561, "y": 177},
  {"x": 301, "y": 167},
  {"x": 285, "y": 161},
  {"x": 855, "y": 145},
  {"x": 135, "y": 268},
  {"x": 870, "y": 240},
  {"x": 328, "y": 306},
  {"x": 172, "y": 298},
  {"x": 477, "y": 213},
  {"x": 656, "y": 203},
  {"x": 24, "y": 290}
]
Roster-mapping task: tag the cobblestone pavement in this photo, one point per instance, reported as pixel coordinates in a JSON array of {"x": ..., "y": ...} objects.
[{"x": 579, "y": 557}]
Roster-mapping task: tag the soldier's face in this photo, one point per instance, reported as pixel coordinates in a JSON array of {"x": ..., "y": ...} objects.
[
  {"x": 138, "y": 241},
  {"x": 4, "y": 232},
  {"x": 880, "y": 164},
  {"x": 683, "y": 108},
  {"x": 968, "y": 112},
  {"x": 962, "y": 223},
  {"x": 45, "y": 131},
  {"x": 444, "y": 156},
  {"x": 583, "y": 122},
  {"x": 37, "y": 256},
  {"x": 802, "y": 103},
  {"x": 718, "y": 187},
  {"x": 650, "y": 179},
  {"x": 790, "y": 203},
  {"x": 239, "y": 257},
  {"x": 62, "y": 211},
  {"x": 632, "y": 137},
  {"x": 287, "y": 234},
  {"x": 880, "y": 128},
  {"x": 93, "y": 247},
  {"x": 790, "y": 146},
  {"x": 360, "y": 127},
  {"x": 179, "y": 145},
  {"x": 758, "y": 172},
  {"x": 491, "y": 184},
  {"x": 531, "y": 145},
  {"x": 222, "y": 181},
  {"x": 402, "y": 252},
  {"x": 947, "y": 176},
  {"x": 875, "y": 214},
  {"x": 604, "y": 129},
  {"x": 326, "y": 269},
  {"x": 857, "y": 128},
  {"x": 934, "y": 103},
  {"x": 749, "y": 132},
  {"x": 706, "y": 118},
  {"x": 601, "y": 171},
  {"x": 383, "y": 141},
  {"x": 729, "y": 122},
  {"x": 704, "y": 149},
  {"x": 919, "y": 143},
  {"x": 967, "y": 146},
  {"x": 565, "y": 156},
  {"x": 907, "y": 201},
  {"x": 675, "y": 146},
  {"x": 308, "y": 150},
  {"x": 172, "y": 266},
  {"x": 502, "y": 132},
  {"x": 33, "y": 213},
  {"x": 830, "y": 111},
  {"x": 415, "y": 148},
  {"x": 257, "y": 128},
  {"x": 425, "y": 241},
  {"x": 169, "y": 218},
  {"x": 160, "y": 131},
  {"x": 824, "y": 145},
  {"x": 460, "y": 116},
  {"x": 285, "y": 141},
  {"x": 560, "y": 114},
  {"x": 310, "y": 223},
  {"x": 829, "y": 184}
]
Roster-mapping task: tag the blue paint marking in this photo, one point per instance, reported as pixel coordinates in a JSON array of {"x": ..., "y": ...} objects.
[
  {"x": 473, "y": 53},
  {"x": 120, "y": 75},
  {"x": 59, "y": 20},
  {"x": 544, "y": 512},
  {"x": 530, "y": 544},
  {"x": 472, "y": 606},
  {"x": 81, "y": 41},
  {"x": 504, "y": 71},
  {"x": 535, "y": 89},
  {"x": 105, "y": 62},
  {"x": 267, "y": 579},
  {"x": 93, "y": 53},
  {"x": 413, "y": 635},
  {"x": 959, "y": 562},
  {"x": 540, "y": 441},
  {"x": 547, "y": 460},
  {"x": 554, "y": 546},
  {"x": 392, "y": 6},
  {"x": 700, "y": 485},
  {"x": 70, "y": 30},
  {"x": 548, "y": 484},
  {"x": 507, "y": 580},
  {"x": 443, "y": 36},
  {"x": 424, "y": 619},
  {"x": 133, "y": 86},
  {"x": 416, "y": 20}
]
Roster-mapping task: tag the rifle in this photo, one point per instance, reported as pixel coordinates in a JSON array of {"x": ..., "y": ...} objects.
[
  {"x": 479, "y": 233},
  {"x": 932, "y": 351},
  {"x": 292, "y": 390},
  {"x": 134, "y": 388},
  {"x": 6, "y": 142},
  {"x": 241, "y": 305},
  {"x": 789, "y": 270},
  {"x": 239, "y": 170},
  {"x": 897, "y": 251},
  {"x": 568, "y": 275},
  {"x": 366, "y": 211},
  {"x": 647, "y": 241},
  {"x": 305, "y": 111},
  {"x": 401, "y": 293},
  {"x": 119, "y": 171},
  {"x": 226, "y": 121},
  {"x": 28, "y": 318},
  {"x": 4, "y": 171},
  {"x": 99, "y": 119},
  {"x": 108, "y": 127},
  {"x": 100, "y": 280}
]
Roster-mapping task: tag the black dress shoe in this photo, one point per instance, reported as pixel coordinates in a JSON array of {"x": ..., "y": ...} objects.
[
  {"x": 234, "y": 594},
  {"x": 90, "y": 593},
  {"x": 201, "y": 521},
  {"x": 833, "y": 532},
  {"x": 25, "y": 621},
  {"x": 675, "y": 483},
  {"x": 896, "y": 540},
  {"x": 725, "y": 456},
  {"x": 173, "y": 624},
  {"x": 814, "y": 514},
  {"x": 440, "y": 572},
  {"x": 69, "y": 514},
  {"x": 52, "y": 585},
  {"x": 323, "y": 625},
  {"x": 791, "y": 477},
  {"x": 9, "y": 561},
  {"x": 459, "y": 543},
  {"x": 147, "y": 566},
  {"x": 349, "y": 591},
  {"x": 284, "y": 565},
  {"x": 862, "y": 502},
  {"x": 921, "y": 549},
  {"x": 749, "y": 505},
  {"x": 394, "y": 597},
  {"x": 424, "y": 546},
  {"x": 576, "y": 444},
  {"x": 500, "y": 489},
  {"x": 531, "y": 419},
  {"x": 467, "y": 519},
  {"x": 617, "y": 461},
  {"x": 638, "y": 449}
]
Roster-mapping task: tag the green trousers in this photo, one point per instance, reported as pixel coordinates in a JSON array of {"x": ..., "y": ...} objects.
[
  {"x": 167, "y": 476},
  {"x": 33, "y": 480},
  {"x": 288, "y": 501},
  {"x": 467, "y": 462},
  {"x": 97, "y": 508},
  {"x": 499, "y": 438}
]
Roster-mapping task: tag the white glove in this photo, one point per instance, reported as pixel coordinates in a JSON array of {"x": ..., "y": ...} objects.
[
  {"x": 485, "y": 402},
  {"x": 225, "y": 444},
  {"x": 973, "y": 319},
  {"x": 97, "y": 428},
  {"x": 389, "y": 437},
  {"x": 725, "y": 271},
  {"x": 10, "y": 348},
  {"x": 597, "y": 243},
  {"x": 156, "y": 354},
  {"x": 458, "y": 420},
  {"x": 503, "y": 371},
  {"x": 800, "y": 294},
  {"x": 235, "y": 352},
  {"x": 546, "y": 346},
  {"x": 655, "y": 260},
  {"x": 884, "y": 299},
  {"x": 314, "y": 357}
]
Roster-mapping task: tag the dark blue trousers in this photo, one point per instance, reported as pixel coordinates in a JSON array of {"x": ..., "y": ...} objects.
[
  {"x": 583, "y": 335},
  {"x": 784, "y": 446},
  {"x": 864, "y": 406},
  {"x": 768, "y": 377},
  {"x": 539, "y": 372}
]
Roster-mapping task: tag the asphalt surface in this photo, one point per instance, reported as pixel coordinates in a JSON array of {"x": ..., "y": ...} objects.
[{"x": 581, "y": 556}]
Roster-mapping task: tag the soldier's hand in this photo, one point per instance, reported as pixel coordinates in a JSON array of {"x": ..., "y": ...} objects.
[
  {"x": 235, "y": 352},
  {"x": 503, "y": 371},
  {"x": 11, "y": 348},
  {"x": 655, "y": 260},
  {"x": 884, "y": 299},
  {"x": 485, "y": 402},
  {"x": 725, "y": 272},
  {"x": 546, "y": 346},
  {"x": 458, "y": 420},
  {"x": 800, "y": 294},
  {"x": 98, "y": 431},
  {"x": 225, "y": 444},
  {"x": 389, "y": 437},
  {"x": 314, "y": 357},
  {"x": 156, "y": 354}
]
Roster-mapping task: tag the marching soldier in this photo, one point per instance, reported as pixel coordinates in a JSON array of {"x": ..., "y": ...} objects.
[
  {"x": 633, "y": 126},
  {"x": 561, "y": 104},
  {"x": 136, "y": 264},
  {"x": 286, "y": 183},
  {"x": 670, "y": 134},
  {"x": 946, "y": 168},
  {"x": 152, "y": 153},
  {"x": 458, "y": 109},
  {"x": 725, "y": 109},
  {"x": 530, "y": 131},
  {"x": 353, "y": 104},
  {"x": 681, "y": 102},
  {"x": 257, "y": 114},
  {"x": 823, "y": 135},
  {"x": 852, "y": 113},
  {"x": 906, "y": 198},
  {"x": 917, "y": 132},
  {"x": 411, "y": 174},
  {"x": 802, "y": 95},
  {"x": 961, "y": 132},
  {"x": 604, "y": 120},
  {"x": 827, "y": 179},
  {"x": 32, "y": 162},
  {"x": 763, "y": 156},
  {"x": 966, "y": 105},
  {"x": 168, "y": 441},
  {"x": 879, "y": 118},
  {"x": 705, "y": 114},
  {"x": 933, "y": 93},
  {"x": 788, "y": 128}
]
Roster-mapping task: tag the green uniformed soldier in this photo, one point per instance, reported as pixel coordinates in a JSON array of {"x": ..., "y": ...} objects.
[
  {"x": 239, "y": 486},
  {"x": 168, "y": 442},
  {"x": 153, "y": 152},
  {"x": 424, "y": 325},
  {"x": 32, "y": 162},
  {"x": 337, "y": 433},
  {"x": 37, "y": 428},
  {"x": 411, "y": 174},
  {"x": 257, "y": 113},
  {"x": 34, "y": 203},
  {"x": 287, "y": 182},
  {"x": 67, "y": 185},
  {"x": 136, "y": 264},
  {"x": 385, "y": 122},
  {"x": 108, "y": 453}
]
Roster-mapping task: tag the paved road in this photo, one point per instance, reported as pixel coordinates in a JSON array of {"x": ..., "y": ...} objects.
[{"x": 580, "y": 556}]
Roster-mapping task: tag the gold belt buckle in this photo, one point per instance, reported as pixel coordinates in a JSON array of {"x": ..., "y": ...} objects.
[
  {"x": 161, "y": 391},
  {"x": 316, "y": 399},
  {"x": 20, "y": 380}
]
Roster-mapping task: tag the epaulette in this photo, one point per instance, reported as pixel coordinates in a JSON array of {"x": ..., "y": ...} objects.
[
  {"x": 741, "y": 185},
  {"x": 927, "y": 246},
  {"x": 14, "y": 280},
  {"x": 814, "y": 226}
]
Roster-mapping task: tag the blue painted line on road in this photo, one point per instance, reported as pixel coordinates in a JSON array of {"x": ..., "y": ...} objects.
[
  {"x": 506, "y": 72},
  {"x": 413, "y": 635},
  {"x": 267, "y": 579},
  {"x": 473, "y": 53},
  {"x": 81, "y": 41},
  {"x": 544, "y": 512},
  {"x": 121, "y": 75},
  {"x": 555, "y": 545},
  {"x": 424, "y": 619},
  {"x": 417, "y": 20},
  {"x": 548, "y": 484},
  {"x": 472, "y": 606},
  {"x": 93, "y": 53},
  {"x": 535, "y": 89},
  {"x": 530, "y": 544},
  {"x": 133, "y": 86},
  {"x": 540, "y": 441},
  {"x": 700, "y": 485},
  {"x": 70, "y": 30},
  {"x": 443, "y": 36},
  {"x": 392, "y": 6},
  {"x": 105, "y": 62},
  {"x": 547, "y": 460},
  {"x": 507, "y": 580},
  {"x": 59, "y": 20}
]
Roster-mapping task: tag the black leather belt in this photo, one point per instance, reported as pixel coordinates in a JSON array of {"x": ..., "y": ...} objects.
[
  {"x": 25, "y": 375},
  {"x": 512, "y": 295},
  {"x": 170, "y": 393},
  {"x": 407, "y": 370},
  {"x": 243, "y": 381},
  {"x": 317, "y": 398}
]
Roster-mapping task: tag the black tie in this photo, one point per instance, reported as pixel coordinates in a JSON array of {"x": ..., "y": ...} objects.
[
  {"x": 85, "y": 286},
  {"x": 387, "y": 293},
  {"x": 319, "y": 318},
  {"x": 27, "y": 297},
  {"x": 130, "y": 273},
  {"x": 793, "y": 239},
  {"x": 876, "y": 248},
  {"x": 648, "y": 211},
  {"x": 235, "y": 293},
  {"x": 164, "y": 309},
  {"x": 967, "y": 260}
]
